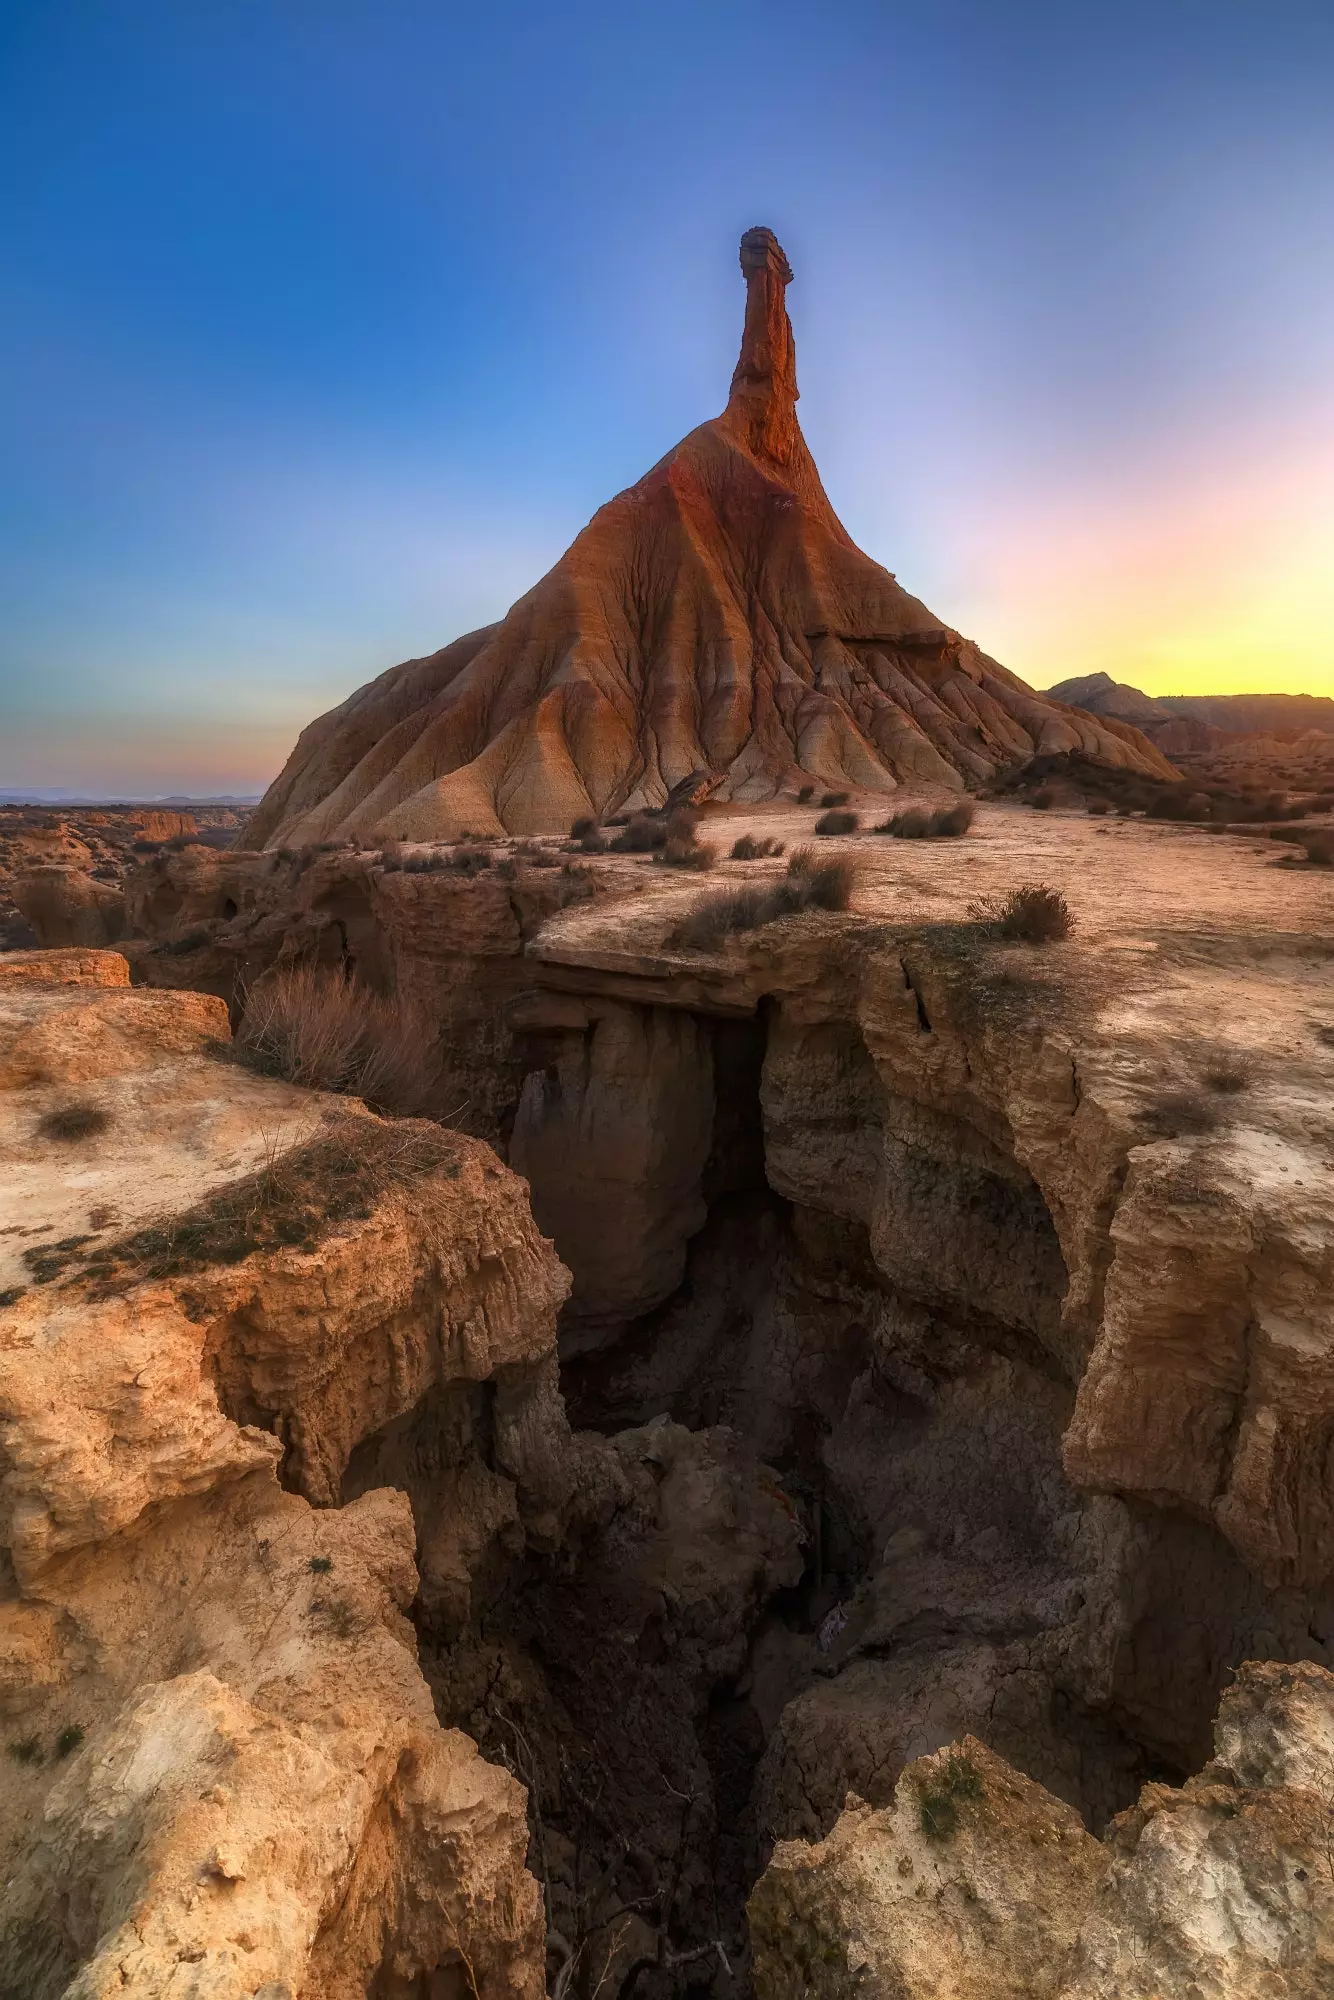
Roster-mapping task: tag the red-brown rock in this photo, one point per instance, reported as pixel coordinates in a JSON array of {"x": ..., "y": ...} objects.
[{"x": 714, "y": 618}]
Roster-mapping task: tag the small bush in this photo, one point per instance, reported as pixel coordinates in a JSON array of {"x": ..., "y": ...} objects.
[
  {"x": 1032, "y": 914},
  {"x": 74, "y": 1121},
  {"x": 1230, "y": 1076},
  {"x": 69, "y": 1739},
  {"x": 939, "y": 1799},
  {"x": 1043, "y": 799},
  {"x": 809, "y": 884},
  {"x": 583, "y": 826},
  {"x": 12, "y": 1294},
  {"x": 1320, "y": 851},
  {"x": 805, "y": 795},
  {"x": 749, "y": 848},
  {"x": 1182, "y": 1113},
  {"x": 834, "y": 798},
  {"x": 910, "y": 824},
  {"x": 688, "y": 853},
  {"x": 321, "y": 1565},
  {"x": 838, "y": 822},
  {"x": 1099, "y": 808},
  {"x": 28, "y": 1750},
  {"x": 914, "y": 823},
  {"x": 645, "y": 834},
  {"x": 330, "y": 1033}
]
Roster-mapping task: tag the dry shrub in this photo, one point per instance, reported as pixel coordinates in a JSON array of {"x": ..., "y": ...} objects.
[
  {"x": 688, "y": 853},
  {"x": 838, "y": 822},
  {"x": 805, "y": 795},
  {"x": 834, "y": 798},
  {"x": 645, "y": 834},
  {"x": 74, "y": 1121},
  {"x": 593, "y": 842},
  {"x": 1033, "y": 914},
  {"x": 331, "y": 1033},
  {"x": 914, "y": 823},
  {"x": 1099, "y": 808},
  {"x": 338, "y": 1176},
  {"x": 1043, "y": 799},
  {"x": 808, "y": 885},
  {"x": 583, "y": 826},
  {"x": 751, "y": 848},
  {"x": 1320, "y": 851},
  {"x": 1230, "y": 1075},
  {"x": 1182, "y": 1113}
]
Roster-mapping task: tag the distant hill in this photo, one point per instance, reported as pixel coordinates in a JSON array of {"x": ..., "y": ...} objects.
[{"x": 1177, "y": 722}]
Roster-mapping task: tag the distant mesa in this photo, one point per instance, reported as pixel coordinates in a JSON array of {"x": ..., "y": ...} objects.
[{"x": 716, "y": 619}]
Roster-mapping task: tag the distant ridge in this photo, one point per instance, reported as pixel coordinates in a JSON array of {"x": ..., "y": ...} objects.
[
  {"x": 714, "y": 620},
  {"x": 1179, "y": 722}
]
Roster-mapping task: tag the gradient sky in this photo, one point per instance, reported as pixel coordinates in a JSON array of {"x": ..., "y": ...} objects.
[{"x": 326, "y": 324}]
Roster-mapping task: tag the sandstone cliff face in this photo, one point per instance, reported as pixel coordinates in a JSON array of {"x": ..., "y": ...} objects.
[
  {"x": 227, "y": 1774},
  {"x": 974, "y": 1882},
  {"x": 716, "y": 617}
]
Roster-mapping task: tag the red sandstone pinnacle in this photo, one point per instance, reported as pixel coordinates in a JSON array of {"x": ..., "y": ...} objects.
[
  {"x": 764, "y": 384},
  {"x": 715, "y": 620}
]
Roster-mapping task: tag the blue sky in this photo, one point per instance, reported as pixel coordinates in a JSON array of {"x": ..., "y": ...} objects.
[{"x": 327, "y": 324}]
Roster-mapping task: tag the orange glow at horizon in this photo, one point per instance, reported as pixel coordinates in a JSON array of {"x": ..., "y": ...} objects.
[{"x": 1211, "y": 578}]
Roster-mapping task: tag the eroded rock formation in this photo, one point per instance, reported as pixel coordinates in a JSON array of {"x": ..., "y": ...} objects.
[
  {"x": 976, "y": 1883},
  {"x": 716, "y": 618}
]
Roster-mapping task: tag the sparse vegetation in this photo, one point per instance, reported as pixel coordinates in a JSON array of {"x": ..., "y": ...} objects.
[
  {"x": 294, "y": 1200},
  {"x": 939, "y": 1800},
  {"x": 82, "y": 1120},
  {"x": 915, "y": 823},
  {"x": 27, "y": 1750},
  {"x": 834, "y": 798},
  {"x": 749, "y": 848},
  {"x": 1180, "y": 1114},
  {"x": 688, "y": 853},
  {"x": 646, "y": 833},
  {"x": 583, "y": 826},
  {"x": 69, "y": 1739},
  {"x": 335, "y": 1614},
  {"x": 809, "y": 884},
  {"x": 321, "y": 1565},
  {"x": 838, "y": 822},
  {"x": 12, "y": 1294},
  {"x": 1229, "y": 1075},
  {"x": 331, "y": 1033},
  {"x": 805, "y": 795},
  {"x": 1031, "y": 914}
]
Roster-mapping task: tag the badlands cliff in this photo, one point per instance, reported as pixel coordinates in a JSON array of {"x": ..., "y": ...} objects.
[
  {"x": 937, "y": 1556},
  {"x": 714, "y": 619}
]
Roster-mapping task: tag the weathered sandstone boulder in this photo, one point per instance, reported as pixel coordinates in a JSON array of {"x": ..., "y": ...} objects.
[
  {"x": 68, "y": 906},
  {"x": 714, "y": 622},
  {"x": 976, "y": 1883},
  {"x": 227, "y": 1776}
]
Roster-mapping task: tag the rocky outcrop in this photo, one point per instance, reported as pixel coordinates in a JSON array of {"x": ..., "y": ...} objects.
[
  {"x": 715, "y": 618},
  {"x": 68, "y": 906},
  {"x": 977, "y": 1883},
  {"x": 227, "y": 1775}
]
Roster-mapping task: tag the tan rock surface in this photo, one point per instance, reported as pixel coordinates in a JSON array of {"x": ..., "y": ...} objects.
[
  {"x": 971, "y": 1886},
  {"x": 228, "y": 1776},
  {"x": 977, "y": 1883},
  {"x": 715, "y": 617}
]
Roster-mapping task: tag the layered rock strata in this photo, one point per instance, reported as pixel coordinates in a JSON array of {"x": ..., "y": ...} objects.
[
  {"x": 977, "y": 1883},
  {"x": 226, "y": 1775},
  {"x": 714, "y": 619}
]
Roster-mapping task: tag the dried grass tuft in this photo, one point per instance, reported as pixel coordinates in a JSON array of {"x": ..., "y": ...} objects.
[
  {"x": 329, "y": 1033},
  {"x": 809, "y": 884},
  {"x": 1031, "y": 914}
]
